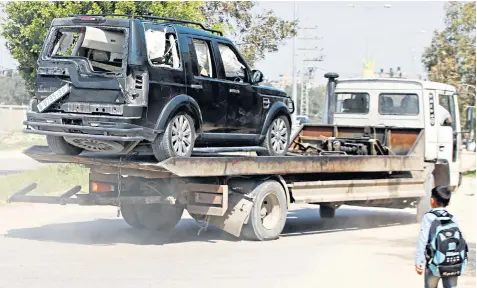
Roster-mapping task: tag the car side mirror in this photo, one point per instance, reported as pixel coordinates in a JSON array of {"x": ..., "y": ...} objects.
[
  {"x": 257, "y": 76},
  {"x": 469, "y": 121}
]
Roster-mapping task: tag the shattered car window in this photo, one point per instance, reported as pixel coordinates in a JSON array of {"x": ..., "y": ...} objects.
[
  {"x": 234, "y": 69},
  {"x": 102, "y": 47},
  {"x": 162, "y": 48}
]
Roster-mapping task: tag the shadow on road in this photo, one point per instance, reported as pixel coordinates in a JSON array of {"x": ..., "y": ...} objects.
[
  {"x": 300, "y": 222},
  {"x": 306, "y": 221}
]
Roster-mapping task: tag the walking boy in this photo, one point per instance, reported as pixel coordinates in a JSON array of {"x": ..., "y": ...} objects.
[{"x": 441, "y": 251}]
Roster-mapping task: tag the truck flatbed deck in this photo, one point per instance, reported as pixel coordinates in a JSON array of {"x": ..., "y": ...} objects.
[{"x": 236, "y": 165}]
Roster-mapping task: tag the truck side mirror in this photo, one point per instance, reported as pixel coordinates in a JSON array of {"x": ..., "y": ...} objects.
[
  {"x": 469, "y": 121},
  {"x": 257, "y": 76}
]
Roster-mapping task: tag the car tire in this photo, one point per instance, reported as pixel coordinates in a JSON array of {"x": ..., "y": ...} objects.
[
  {"x": 181, "y": 127},
  {"x": 268, "y": 198},
  {"x": 58, "y": 145},
  {"x": 277, "y": 140}
]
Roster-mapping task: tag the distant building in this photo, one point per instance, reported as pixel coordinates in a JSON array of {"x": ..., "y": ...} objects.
[{"x": 4, "y": 72}]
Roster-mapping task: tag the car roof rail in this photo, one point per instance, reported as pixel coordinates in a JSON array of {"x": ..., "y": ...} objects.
[
  {"x": 150, "y": 17},
  {"x": 173, "y": 20}
]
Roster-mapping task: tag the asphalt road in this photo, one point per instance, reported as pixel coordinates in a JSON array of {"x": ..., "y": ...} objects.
[
  {"x": 15, "y": 161},
  {"x": 70, "y": 246}
]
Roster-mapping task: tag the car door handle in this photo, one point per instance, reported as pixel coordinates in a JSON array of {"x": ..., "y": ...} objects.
[
  {"x": 235, "y": 91},
  {"x": 441, "y": 148},
  {"x": 196, "y": 86},
  {"x": 266, "y": 103}
]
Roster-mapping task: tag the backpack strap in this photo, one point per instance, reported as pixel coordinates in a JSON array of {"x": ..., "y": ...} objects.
[{"x": 439, "y": 213}]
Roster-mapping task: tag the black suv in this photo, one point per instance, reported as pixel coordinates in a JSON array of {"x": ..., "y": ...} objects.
[{"x": 122, "y": 84}]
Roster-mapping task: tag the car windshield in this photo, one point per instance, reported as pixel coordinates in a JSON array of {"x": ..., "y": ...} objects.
[{"x": 104, "y": 48}]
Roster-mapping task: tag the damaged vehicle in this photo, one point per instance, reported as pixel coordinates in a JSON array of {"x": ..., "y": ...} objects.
[{"x": 138, "y": 83}]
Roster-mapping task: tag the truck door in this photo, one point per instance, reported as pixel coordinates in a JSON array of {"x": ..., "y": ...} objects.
[
  {"x": 430, "y": 100},
  {"x": 448, "y": 136}
]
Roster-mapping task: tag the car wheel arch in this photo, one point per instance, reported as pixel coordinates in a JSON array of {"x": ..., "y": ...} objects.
[
  {"x": 176, "y": 104},
  {"x": 276, "y": 110}
]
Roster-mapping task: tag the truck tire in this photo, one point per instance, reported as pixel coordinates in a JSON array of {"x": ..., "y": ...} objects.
[
  {"x": 129, "y": 214},
  {"x": 159, "y": 217},
  {"x": 58, "y": 145},
  {"x": 327, "y": 211},
  {"x": 424, "y": 204},
  {"x": 269, "y": 212},
  {"x": 177, "y": 140},
  {"x": 277, "y": 139}
]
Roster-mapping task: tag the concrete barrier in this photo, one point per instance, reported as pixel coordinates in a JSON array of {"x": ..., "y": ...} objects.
[{"x": 12, "y": 117}]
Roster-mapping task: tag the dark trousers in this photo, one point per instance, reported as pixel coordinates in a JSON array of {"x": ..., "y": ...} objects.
[{"x": 431, "y": 281}]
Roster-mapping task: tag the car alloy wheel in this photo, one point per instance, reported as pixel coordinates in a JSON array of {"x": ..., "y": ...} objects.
[
  {"x": 279, "y": 136},
  {"x": 181, "y": 137}
]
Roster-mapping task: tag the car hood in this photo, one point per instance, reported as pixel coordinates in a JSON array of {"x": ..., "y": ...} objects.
[{"x": 271, "y": 91}]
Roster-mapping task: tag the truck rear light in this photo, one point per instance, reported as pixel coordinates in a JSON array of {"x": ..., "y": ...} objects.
[{"x": 98, "y": 187}]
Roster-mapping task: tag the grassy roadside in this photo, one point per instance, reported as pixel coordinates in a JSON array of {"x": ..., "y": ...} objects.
[
  {"x": 51, "y": 179},
  {"x": 470, "y": 173},
  {"x": 16, "y": 141}
]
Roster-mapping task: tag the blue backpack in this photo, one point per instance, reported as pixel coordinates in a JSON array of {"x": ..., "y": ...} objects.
[{"x": 446, "y": 250}]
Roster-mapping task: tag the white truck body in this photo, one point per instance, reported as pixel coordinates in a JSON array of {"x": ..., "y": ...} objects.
[{"x": 441, "y": 142}]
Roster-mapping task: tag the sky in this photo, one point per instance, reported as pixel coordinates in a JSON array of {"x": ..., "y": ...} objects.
[
  {"x": 393, "y": 35},
  {"x": 389, "y": 36}
]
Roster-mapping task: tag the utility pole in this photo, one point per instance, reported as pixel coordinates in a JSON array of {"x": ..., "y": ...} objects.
[
  {"x": 294, "y": 88},
  {"x": 307, "y": 72}
]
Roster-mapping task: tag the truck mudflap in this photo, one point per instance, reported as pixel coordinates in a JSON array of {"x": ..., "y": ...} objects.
[
  {"x": 83, "y": 199},
  {"x": 236, "y": 215}
]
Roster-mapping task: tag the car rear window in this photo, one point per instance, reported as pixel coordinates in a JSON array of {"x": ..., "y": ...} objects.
[{"x": 104, "y": 48}]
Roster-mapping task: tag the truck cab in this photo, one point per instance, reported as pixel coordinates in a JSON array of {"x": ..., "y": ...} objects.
[{"x": 406, "y": 103}]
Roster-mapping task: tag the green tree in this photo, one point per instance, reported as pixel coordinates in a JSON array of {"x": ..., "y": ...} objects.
[
  {"x": 450, "y": 58},
  {"x": 26, "y": 24}
]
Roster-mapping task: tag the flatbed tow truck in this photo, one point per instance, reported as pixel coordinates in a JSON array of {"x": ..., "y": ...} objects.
[{"x": 327, "y": 164}]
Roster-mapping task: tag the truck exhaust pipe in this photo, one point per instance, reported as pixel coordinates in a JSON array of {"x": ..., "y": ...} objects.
[{"x": 330, "y": 101}]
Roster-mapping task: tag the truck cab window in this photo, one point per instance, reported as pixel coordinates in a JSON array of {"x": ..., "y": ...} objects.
[
  {"x": 446, "y": 109},
  {"x": 398, "y": 104},
  {"x": 234, "y": 69},
  {"x": 352, "y": 103},
  {"x": 204, "y": 60}
]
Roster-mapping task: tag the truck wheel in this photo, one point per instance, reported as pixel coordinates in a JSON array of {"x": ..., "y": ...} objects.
[
  {"x": 327, "y": 211},
  {"x": 424, "y": 204},
  {"x": 277, "y": 138},
  {"x": 159, "y": 217},
  {"x": 178, "y": 139},
  {"x": 129, "y": 214},
  {"x": 58, "y": 145},
  {"x": 269, "y": 212}
]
